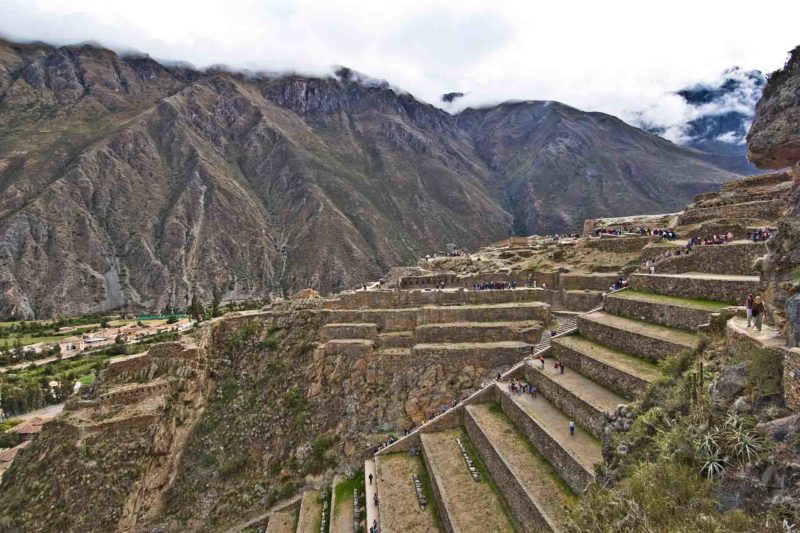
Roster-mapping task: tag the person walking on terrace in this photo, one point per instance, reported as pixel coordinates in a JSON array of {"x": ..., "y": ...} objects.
[
  {"x": 758, "y": 312},
  {"x": 571, "y": 428},
  {"x": 748, "y": 304}
]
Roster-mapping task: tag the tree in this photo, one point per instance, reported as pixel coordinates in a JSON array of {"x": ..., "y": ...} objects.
[
  {"x": 196, "y": 310},
  {"x": 216, "y": 299}
]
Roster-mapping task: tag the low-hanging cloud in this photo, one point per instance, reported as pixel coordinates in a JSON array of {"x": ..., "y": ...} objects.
[{"x": 627, "y": 59}]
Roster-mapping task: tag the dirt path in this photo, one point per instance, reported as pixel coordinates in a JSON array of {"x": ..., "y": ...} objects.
[
  {"x": 635, "y": 366},
  {"x": 472, "y": 506},
  {"x": 342, "y": 521},
  {"x": 399, "y": 509}
]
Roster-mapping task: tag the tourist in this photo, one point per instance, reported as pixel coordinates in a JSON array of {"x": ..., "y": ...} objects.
[
  {"x": 748, "y": 305},
  {"x": 561, "y": 367},
  {"x": 370, "y": 479},
  {"x": 541, "y": 361},
  {"x": 571, "y": 428},
  {"x": 758, "y": 312}
]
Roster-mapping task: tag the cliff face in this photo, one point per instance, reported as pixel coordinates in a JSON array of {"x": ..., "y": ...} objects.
[
  {"x": 774, "y": 142},
  {"x": 128, "y": 184}
]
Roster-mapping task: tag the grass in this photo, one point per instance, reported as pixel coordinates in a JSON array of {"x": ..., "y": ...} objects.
[
  {"x": 427, "y": 490},
  {"x": 485, "y": 477},
  {"x": 344, "y": 490},
  {"x": 709, "y": 305}
]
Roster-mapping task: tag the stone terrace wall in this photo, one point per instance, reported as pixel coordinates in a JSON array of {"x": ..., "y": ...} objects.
[
  {"x": 417, "y": 298},
  {"x": 732, "y": 292},
  {"x": 620, "y": 245},
  {"x": 759, "y": 210},
  {"x": 585, "y": 414},
  {"x": 525, "y": 514},
  {"x": 734, "y": 258},
  {"x": 758, "y": 180},
  {"x": 581, "y": 301},
  {"x": 610, "y": 377},
  {"x": 791, "y": 378},
  {"x": 592, "y": 282},
  {"x": 661, "y": 313},
  {"x": 570, "y": 470}
]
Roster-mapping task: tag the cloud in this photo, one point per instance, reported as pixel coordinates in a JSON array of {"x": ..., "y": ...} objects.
[
  {"x": 625, "y": 58},
  {"x": 698, "y": 112}
]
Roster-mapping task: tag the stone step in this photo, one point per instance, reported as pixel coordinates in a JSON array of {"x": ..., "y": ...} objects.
[
  {"x": 471, "y": 332},
  {"x": 716, "y": 287},
  {"x": 583, "y": 400},
  {"x": 284, "y": 520},
  {"x": 350, "y": 347},
  {"x": 388, "y": 299},
  {"x": 529, "y": 484},
  {"x": 465, "y": 505},
  {"x": 624, "y": 374},
  {"x": 514, "y": 312},
  {"x": 547, "y": 428},
  {"x": 399, "y": 507},
  {"x": 358, "y": 330},
  {"x": 395, "y": 339},
  {"x": 671, "y": 311},
  {"x": 491, "y": 354},
  {"x": 633, "y": 337},
  {"x": 386, "y": 319},
  {"x": 310, "y": 512},
  {"x": 389, "y": 320}
]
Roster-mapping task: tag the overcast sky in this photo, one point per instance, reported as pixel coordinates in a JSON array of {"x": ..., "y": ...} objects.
[{"x": 621, "y": 57}]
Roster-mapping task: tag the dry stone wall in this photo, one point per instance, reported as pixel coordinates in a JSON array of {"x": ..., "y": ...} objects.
[
  {"x": 585, "y": 413},
  {"x": 610, "y": 377},
  {"x": 567, "y": 467},
  {"x": 657, "y": 313},
  {"x": 525, "y": 514},
  {"x": 728, "y": 291}
]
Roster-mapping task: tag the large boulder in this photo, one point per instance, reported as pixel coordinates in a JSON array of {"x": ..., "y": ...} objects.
[
  {"x": 774, "y": 137},
  {"x": 730, "y": 383}
]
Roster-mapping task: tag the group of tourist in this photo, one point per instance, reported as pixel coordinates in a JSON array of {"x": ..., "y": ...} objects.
[
  {"x": 621, "y": 283},
  {"x": 520, "y": 387},
  {"x": 761, "y": 235},
  {"x": 722, "y": 238},
  {"x": 494, "y": 285},
  {"x": 639, "y": 230}
]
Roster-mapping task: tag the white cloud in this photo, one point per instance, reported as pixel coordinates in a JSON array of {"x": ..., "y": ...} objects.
[{"x": 592, "y": 55}]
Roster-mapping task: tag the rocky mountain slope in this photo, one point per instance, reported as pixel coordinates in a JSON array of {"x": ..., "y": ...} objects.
[{"x": 129, "y": 184}]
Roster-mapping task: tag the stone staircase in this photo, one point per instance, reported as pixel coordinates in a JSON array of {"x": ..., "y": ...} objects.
[{"x": 530, "y": 464}]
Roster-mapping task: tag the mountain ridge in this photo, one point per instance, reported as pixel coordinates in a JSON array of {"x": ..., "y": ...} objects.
[{"x": 133, "y": 185}]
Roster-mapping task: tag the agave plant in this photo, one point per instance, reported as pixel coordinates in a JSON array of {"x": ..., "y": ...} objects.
[
  {"x": 744, "y": 444},
  {"x": 709, "y": 443},
  {"x": 713, "y": 463}
]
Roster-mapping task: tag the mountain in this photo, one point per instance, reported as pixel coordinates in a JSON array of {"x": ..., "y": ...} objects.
[
  {"x": 557, "y": 165},
  {"x": 130, "y": 184}
]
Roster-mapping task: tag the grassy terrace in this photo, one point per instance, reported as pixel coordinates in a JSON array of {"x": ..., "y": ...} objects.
[{"x": 707, "y": 305}]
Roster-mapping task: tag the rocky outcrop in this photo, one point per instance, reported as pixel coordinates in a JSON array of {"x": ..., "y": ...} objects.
[
  {"x": 774, "y": 142},
  {"x": 774, "y": 137}
]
